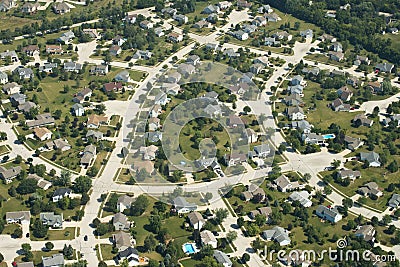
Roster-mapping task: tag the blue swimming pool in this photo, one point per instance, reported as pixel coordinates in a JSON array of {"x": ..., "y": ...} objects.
[
  {"x": 328, "y": 136},
  {"x": 189, "y": 248}
]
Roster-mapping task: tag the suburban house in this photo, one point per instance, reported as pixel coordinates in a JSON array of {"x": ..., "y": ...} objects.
[
  {"x": 161, "y": 99},
  {"x": 131, "y": 255},
  {"x": 11, "y": 88},
  {"x": 145, "y": 24},
  {"x": 61, "y": 144},
  {"x": 83, "y": 95},
  {"x": 48, "y": 67},
  {"x": 370, "y": 189},
  {"x": 182, "y": 19},
  {"x": 72, "y": 66},
  {"x": 66, "y": 37},
  {"x": 148, "y": 152},
  {"x": 122, "y": 240},
  {"x": 294, "y": 100},
  {"x": 308, "y": 34},
  {"x": 272, "y": 17},
  {"x": 295, "y": 113},
  {"x": 17, "y": 99},
  {"x": 78, "y": 110},
  {"x": 259, "y": 21},
  {"x": 277, "y": 234},
  {"x": 265, "y": 211},
  {"x": 384, "y": 67},
  {"x": 60, "y": 193},
  {"x": 55, "y": 260},
  {"x": 327, "y": 38},
  {"x": 196, "y": 220},
  {"x": 353, "y": 143},
  {"x": 283, "y": 184},
  {"x": 362, "y": 120},
  {"x": 9, "y": 174},
  {"x": 303, "y": 197},
  {"x": 182, "y": 206},
  {"x": 54, "y": 49},
  {"x": 371, "y": 157},
  {"x": 123, "y": 76},
  {"x": 328, "y": 213},
  {"x": 262, "y": 150},
  {"x": 31, "y": 50},
  {"x": 143, "y": 54},
  {"x": 361, "y": 60},
  {"x": 42, "y": 133},
  {"x": 234, "y": 159},
  {"x": 243, "y": 4},
  {"x": 338, "y": 105},
  {"x": 92, "y": 33},
  {"x": 124, "y": 202},
  {"x": 348, "y": 174},
  {"x": 366, "y": 232},
  {"x": 24, "y": 73},
  {"x": 240, "y": 35},
  {"x": 88, "y": 155},
  {"x": 6, "y": 5},
  {"x": 211, "y": 9},
  {"x": 61, "y": 8},
  {"x": 375, "y": 87},
  {"x": 154, "y": 124},
  {"x": 118, "y": 40},
  {"x": 121, "y": 222},
  {"x": 302, "y": 125},
  {"x": 201, "y": 24},
  {"x": 224, "y": 5},
  {"x": 26, "y": 107},
  {"x": 95, "y": 135},
  {"x": 41, "y": 120},
  {"x": 115, "y": 50},
  {"x": 222, "y": 258},
  {"x": 131, "y": 19},
  {"x": 99, "y": 70},
  {"x": 296, "y": 89},
  {"x": 186, "y": 69},
  {"x": 22, "y": 217},
  {"x": 336, "y": 56},
  {"x": 213, "y": 110},
  {"x": 394, "y": 201},
  {"x": 52, "y": 220},
  {"x": 25, "y": 264},
  {"x": 313, "y": 139},
  {"x": 208, "y": 238},
  {"x": 345, "y": 93},
  {"x": 94, "y": 121},
  {"x": 12, "y": 55},
  {"x": 41, "y": 182},
  {"x": 175, "y": 37},
  {"x": 112, "y": 86}
]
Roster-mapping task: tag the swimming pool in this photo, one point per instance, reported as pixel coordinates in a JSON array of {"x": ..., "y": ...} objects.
[
  {"x": 328, "y": 136},
  {"x": 189, "y": 248}
]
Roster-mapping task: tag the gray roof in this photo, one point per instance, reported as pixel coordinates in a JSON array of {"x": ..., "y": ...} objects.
[
  {"x": 9, "y": 173},
  {"x": 128, "y": 252},
  {"x": 369, "y": 156},
  {"x": 277, "y": 233},
  {"x": 62, "y": 191},
  {"x": 122, "y": 239},
  {"x": 50, "y": 218},
  {"x": 120, "y": 218},
  {"x": 327, "y": 211},
  {"x": 263, "y": 148},
  {"x": 95, "y": 134},
  {"x": 222, "y": 258},
  {"x": 53, "y": 260},
  {"x": 126, "y": 200},
  {"x": 25, "y": 264},
  {"x": 394, "y": 200},
  {"x": 153, "y": 136},
  {"x": 195, "y": 217},
  {"x": 18, "y": 215}
]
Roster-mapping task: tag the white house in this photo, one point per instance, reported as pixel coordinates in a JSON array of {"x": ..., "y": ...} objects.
[
  {"x": 208, "y": 238},
  {"x": 196, "y": 220},
  {"x": 78, "y": 110}
]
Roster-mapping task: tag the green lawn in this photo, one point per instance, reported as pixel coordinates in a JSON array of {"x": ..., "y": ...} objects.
[
  {"x": 4, "y": 149},
  {"x": 124, "y": 176},
  {"x": 106, "y": 252},
  {"x": 63, "y": 234}
]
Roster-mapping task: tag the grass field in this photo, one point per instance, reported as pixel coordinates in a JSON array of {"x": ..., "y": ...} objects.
[
  {"x": 63, "y": 234},
  {"x": 106, "y": 252}
]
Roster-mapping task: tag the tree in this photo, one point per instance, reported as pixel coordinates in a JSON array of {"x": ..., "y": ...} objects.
[
  {"x": 27, "y": 186},
  {"x": 49, "y": 246},
  {"x": 206, "y": 250},
  {"x": 220, "y": 215},
  {"x": 231, "y": 236},
  {"x": 307, "y": 176},
  {"x": 240, "y": 222},
  {"x": 102, "y": 264},
  {"x": 386, "y": 219},
  {"x": 150, "y": 243},
  {"x": 245, "y": 257},
  {"x": 68, "y": 252},
  {"x": 155, "y": 224},
  {"x": 82, "y": 184},
  {"x": 260, "y": 219},
  {"x": 327, "y": 190},
  {"x": 17, "y": 232},
  {"x": 347, "y": 203},
  {"x": 102, "y": 229},
  {"x": 139, "y": 206},
  {"x": 26, "y": 248},
  {"x": 79, "y": 215},
  {"x": 208, "y": 196},
  {"x": 18, "y": 159},
  {"x": 39, "y": 230},
  {"x": 1, "y": 258},
  {"x": 393, "y": 166},
  {"x": 64, "y": 179},
  {"x": 246, "y": 109},
  {"x": 335, "y": 163}
]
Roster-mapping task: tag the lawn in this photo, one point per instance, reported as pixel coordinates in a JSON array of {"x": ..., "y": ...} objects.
[
  {"x": 63, "y": 234},
  {"x": 4, "y": 149},
  {"x": 10, "y": 228},
  {"x": 106, "y": 252},
  {"x": 37, "y": 256},
  {"x": 124, "y": 176}
]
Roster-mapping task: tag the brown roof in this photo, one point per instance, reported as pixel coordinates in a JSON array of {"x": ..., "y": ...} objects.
[
  {"x": 40, "y": 132},
  {"x": 96, "y": 119},
  {"x": 108, "y": 87}
]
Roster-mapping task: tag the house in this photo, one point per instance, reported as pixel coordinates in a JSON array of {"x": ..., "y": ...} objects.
[
  {"x": 78, "y": 110},
  {"x": 336, "y": 56},
  {"x": 311, "y": 71},
  {"x": 297, "y": 80},
  {"x": 249, "y": 28},
  {"x": 92, "y": 33},
  {"x": 243, "y": 4},
  {"x": 371, "y": 157},
  {"x": 277, "y": 234},
  {"x": 115, "y": 50},
  {"x": 393, "y": 30},
  {"x": 60, "y": 193},
  {"x": 224, "y": 5},
  {"x": 327, "y": 38},
  {"x": 366, "y": 232},
  {"x": 154, "y": 124},
  {"x": 302, "y": 125},
  {"x": 54, "y": 49},
  {"x": 124, "y": 202},
  {"x": 11, "y": 88},
  {"x": 394, "y": 201},
  {"x": 208, "y": 238},
  {"x": 149, "y": 152},
  {"x": 52, "y": 220},
  {"x": 302, "y": 197},
  {"x": 99, "y": 70},
  {"x": 375, "y": 87},
  {"x": 60, "y": 144},
  {"x": 234, "y": 159},
  {"x": 131, "y": 255},
  {"x": 196, "y": 220},
  {"x": 94, "y": 121},
  {"x": 9, "y": 174},
  {"x": 353, "y": 143},
  {"x": 362, "y": 120},
  {"x": 41, "y": 120},
  {"x": 169, "y": 10},
  {"x": 24, "y": 73},
  {"x": 83, "y": 95},
  {"x": 42, "y": 133},
  {"x": 55, "y": 260},
  {"x": 17, "y": 99},
  {"x": 145, "y": 24},
  {"x": 174, "y": 77},
  {"x": 296, "y": 89},
  {"x": 193, "y": 59},
  {"x": 283, "y": 183},
  {"x": 72, "y": 66},
  {"x": 251, "y": 136},
  {"x": 337, "y": 47},
  {"x": 370, "y": 189},
  {"x": 143, "y": 54},
  {"x": 153, "y": 137},
  {"x": 12, "y": 55},
  {"x": 66, "y": 37},
  {"x": 338, "y": 105},
  {"x": 6, "y": 5},
  {"x": 259, "y": 21},
  {"x": 210, "y": 9},
  {"x": 171, "y": 88},
  {"x": 361, "y": 60},
  {"x": 95, "y": 135},
  {"x": 313, "y": 139},
  {"x": 31, "y": 50},
  {"x": 295, "y": 113},
  {"x": 384, "y": 67},
  {"x": 328, "y": 213},
  {"x": 146, "y": 165},
  {"x": 120, "y": 222},
  {"x": 282, "y": 35},
  {"x": 265, "y": 211},
  {"x": 353, "y": 81},
  {"x": 256, "y": 68},
  {"x": 3, "y": 78},
  {"x": 294, "y": 100},
  {"x": 308, "y": 34},
  {"x": 234, "y": 121},
  {"x": 211, "y": 46},
  {"x": 48, "y": 67},
  {"x": 240, "y": 35},
  {"x": 345, "y": 93},
  {"x": 118, "y": 40},
  {"x": 212, "y": 18},
  {"x": 182, "y": 19},
  {"x": 262, "y": 150},
  {"x": 272, "y": 17},
  {"x": 175, "y": 37},
  {"x": 131, "y": 19},
  {"x": 88, "y": 155},
  {"x": 22, "y": 217},
  {"x": 123, "y": 76},
  {"x": 155, "y": 111},
  {"x": 122, "y": 240},
  {"x": 239, "y": 89},
  {"x": 25, "y": 264},
  {"x": 159, "y": 32},
  {"x": 230, "y": 52},
  {"x": 222, "y": 258},
  {"x": 61, "y": 8},
  {"x": 112, "y": 86},
  {"x": 186, "y": 69},
  {"x": 348, "y": 174},
  {"x": 26, "y": 107},
  {"x": 41, "y": 183},
  {"x": 182, "y": 206}
]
